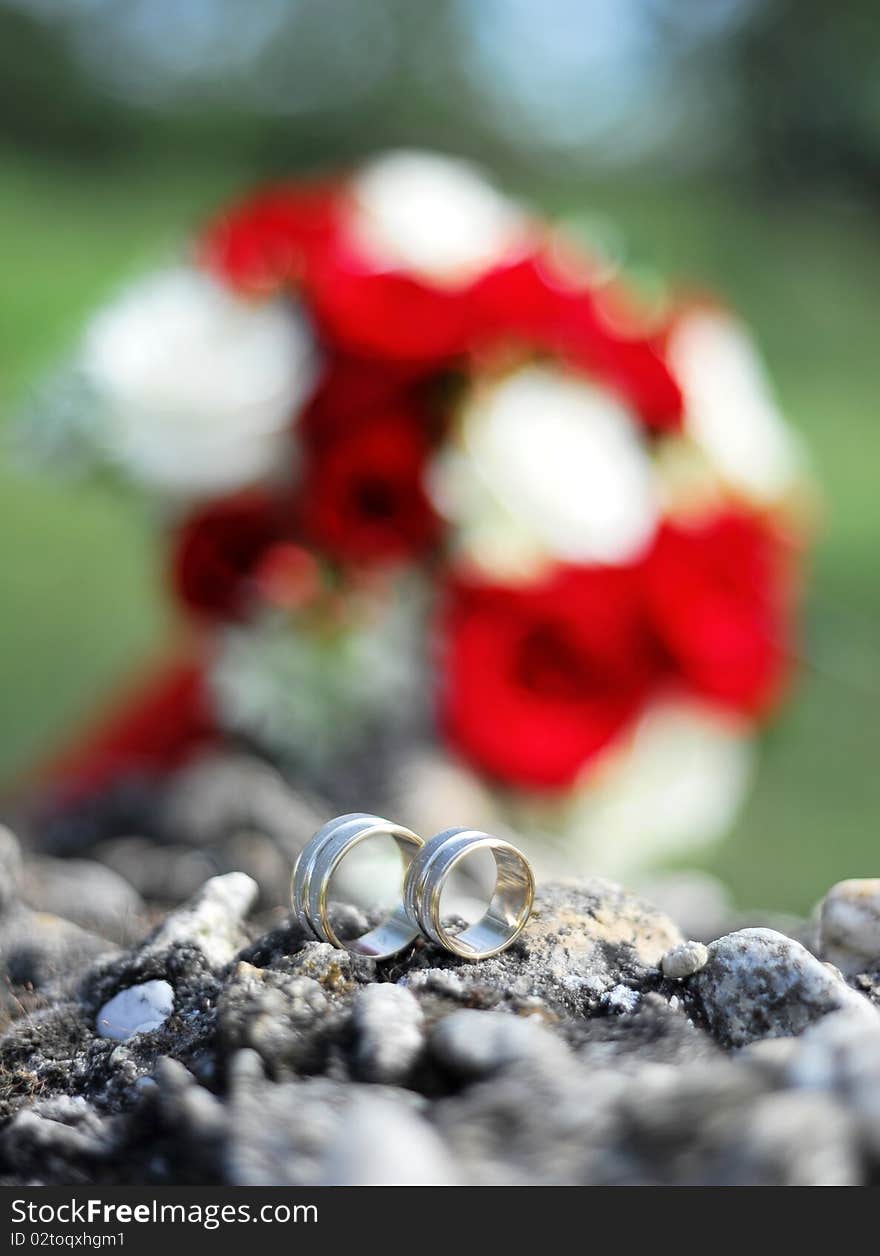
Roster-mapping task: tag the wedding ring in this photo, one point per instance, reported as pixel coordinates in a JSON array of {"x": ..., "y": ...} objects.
[
  {"x": 320, "y": 858},
  {"x": 511, "y": 902}
]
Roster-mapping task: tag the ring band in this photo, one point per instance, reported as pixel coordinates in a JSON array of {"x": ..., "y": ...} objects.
[
  {"x": 508, "y": 911},
  {"x": 320, "y": 858}
]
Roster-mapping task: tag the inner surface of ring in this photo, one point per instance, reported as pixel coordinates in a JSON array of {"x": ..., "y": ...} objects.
[
  {"x": 395, "y": 931},
  {"x": 507, "y": 909}
]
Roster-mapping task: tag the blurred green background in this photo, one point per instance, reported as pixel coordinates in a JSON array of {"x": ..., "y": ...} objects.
[{"x": 734, "y": 145}]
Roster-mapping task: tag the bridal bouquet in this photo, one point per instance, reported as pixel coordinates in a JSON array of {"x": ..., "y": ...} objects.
[{"x": 431, "y": 476}]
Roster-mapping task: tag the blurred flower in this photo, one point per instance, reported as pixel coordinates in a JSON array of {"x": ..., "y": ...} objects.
[
  {"x": 386, "y": 258},
  {"x": 536, "y": 680},
  {"x": 363, "y": 496},
  {"x": 437, "y": 218},
  {"x": 718, "y": 597},
  {"x": 554, "y": 460},
  {"x": 198, "y": 386},
  {"x": 590, "y": 502},
  {"x": 730, "y": 412},
  {"x": 263, "y": 243},
  {"x": 536, "y": 307},
  {"x": 675, "y": 782},
  {"x": 353, "y": 390},
  {"x": 218, "y": 552},
  {"x": 386, "y": 315}
]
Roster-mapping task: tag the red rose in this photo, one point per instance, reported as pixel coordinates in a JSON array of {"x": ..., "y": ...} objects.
[
  {"x": 353, "y": 390},
  {"x": 385, "y": 314},
  {"x": 266, "y": 242},
  {"x": 218, "y": 551},
  {"x": 286, "y": 235},
  {"x": 363, "y": 496},
  {"x": 717, "y": 594},
  {"x": 527, "y": 305},
  {"x": 536, "y": 680}
]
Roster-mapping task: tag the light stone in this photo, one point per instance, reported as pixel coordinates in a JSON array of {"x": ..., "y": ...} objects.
[{"x": 136, "y": 1010}]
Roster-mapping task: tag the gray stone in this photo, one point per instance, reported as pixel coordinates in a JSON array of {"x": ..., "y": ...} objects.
[
  {"x": 477, "y": 1044},
  {"x": 166, "y": 874},
  {"x": 188, "y": 1126},
  {"x": 10, "y": 867},
  {"x": 223, "y": 795},
  {"x": 841, "y": 1055},
  {"x": 281, "y": 1016},
  {"x": 42, "y": 952},
  {"x": 87, "y": 893},
  {"x": 798, "y": 1140},
  {"x": 321, "y": 1132},
  {"x": 849, "y": 926},
  {"x": 51, "y": 1135},
  {"x": 382, "y": 1142},
  {"x": 773, "y": 1056},
  {"x": 388, "y": 1028},
  {"x": 758, "y": 983},
  {"x": 286, "y": 1133},
  {"x": 185, "y": 1105},
  {"x": 532, "y": 1125}
]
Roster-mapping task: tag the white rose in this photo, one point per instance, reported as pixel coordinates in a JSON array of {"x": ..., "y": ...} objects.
[
  {"x": 434, "y": 216},
  {"x": 199, "y": 386},
  {"x": 675, "y": 784},
  {"x": 553, "y": 464},
  {"x": 730, "y": 412}
]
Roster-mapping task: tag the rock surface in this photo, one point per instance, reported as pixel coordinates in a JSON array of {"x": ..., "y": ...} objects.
[
  {"x": 602, "y": 1047},
  {"x": 849, "y": 928},
  {"x": 758, "y": 983},
  {"x": 87, "y": 893}
]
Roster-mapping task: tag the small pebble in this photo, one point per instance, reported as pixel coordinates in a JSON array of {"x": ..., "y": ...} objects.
[
  {"x": 621, "y": 1000},
  {"x": 684, "y": 960},
  {"x": 135, "y": 1010}
]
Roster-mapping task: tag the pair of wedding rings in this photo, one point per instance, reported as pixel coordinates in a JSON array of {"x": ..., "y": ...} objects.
[{"x": 426, "y": 870}]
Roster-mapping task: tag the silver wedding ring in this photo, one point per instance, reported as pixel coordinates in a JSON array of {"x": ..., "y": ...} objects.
[
  {"x": 320, "y": 858},
  {"x": 508, "y": 910}
]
